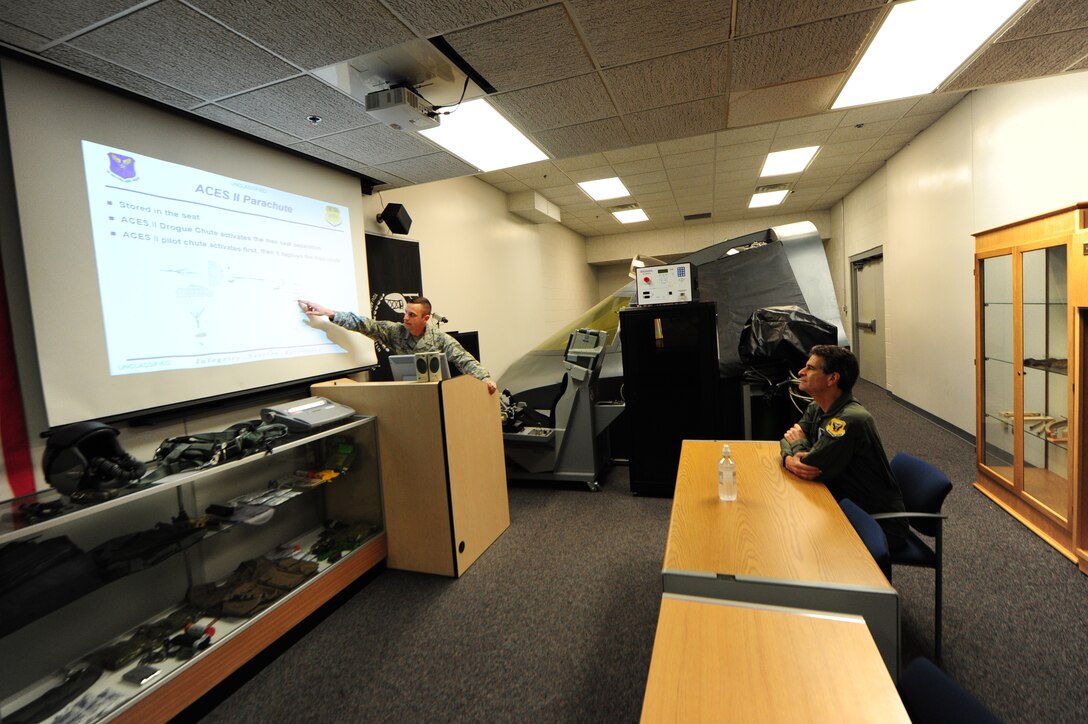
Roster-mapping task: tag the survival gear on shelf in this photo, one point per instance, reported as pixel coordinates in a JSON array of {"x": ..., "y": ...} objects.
[{"x": 188, "y": 452}]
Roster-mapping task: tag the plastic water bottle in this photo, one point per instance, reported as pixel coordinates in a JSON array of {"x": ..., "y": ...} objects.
[{"x": 727, "y": 476}]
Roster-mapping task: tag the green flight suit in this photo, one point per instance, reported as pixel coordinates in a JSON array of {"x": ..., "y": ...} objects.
[
  {"x": 397, "y": 338},
  {"x": 843, "y": 443}
]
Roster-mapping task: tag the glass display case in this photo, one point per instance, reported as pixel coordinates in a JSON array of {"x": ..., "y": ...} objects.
[
  {"x": 1029, "y": 277},
  {"x": 133, "y": 607},
  {"x": 997, "y": 372},
  {"x": 1045, "y": 379}
]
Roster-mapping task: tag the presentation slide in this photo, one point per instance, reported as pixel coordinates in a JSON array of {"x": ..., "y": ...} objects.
[{"x": 199, "y": 270}]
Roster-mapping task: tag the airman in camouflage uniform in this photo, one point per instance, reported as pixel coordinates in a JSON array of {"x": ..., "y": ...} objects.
[
  {"x": 836, "y": 441},
  {"x": 411, "y": 336}
]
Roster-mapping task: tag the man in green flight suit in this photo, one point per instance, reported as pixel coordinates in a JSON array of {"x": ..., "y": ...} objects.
[
  {"x": 836, "y": 441},
  {"x": 414, "y": 335}
]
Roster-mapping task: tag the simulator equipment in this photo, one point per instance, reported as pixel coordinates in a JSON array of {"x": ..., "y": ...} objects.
[
  {"x": 571, "y": 447},
  {"x": 307, "y": 415},
  {"x": 668, "y": 284}
]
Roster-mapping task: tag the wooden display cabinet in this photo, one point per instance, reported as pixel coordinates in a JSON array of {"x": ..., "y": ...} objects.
[
  {"x": 35, "y": 656},
  {"x": 1031, "y": 291}
]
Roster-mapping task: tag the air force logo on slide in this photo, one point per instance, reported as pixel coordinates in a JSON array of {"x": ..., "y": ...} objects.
[
  {"x": 122, "y": 167},
  {"x": 835, "y": 427},
  {"x": 332, "y": 215}
]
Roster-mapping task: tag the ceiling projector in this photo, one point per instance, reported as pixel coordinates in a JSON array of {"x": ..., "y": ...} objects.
[{"x": 401, "y": 109}]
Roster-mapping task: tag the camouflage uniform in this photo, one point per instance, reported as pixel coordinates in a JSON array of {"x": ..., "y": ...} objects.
[
  {"x": 397, "y": 338},
  {"x": 843, "y": 443}
]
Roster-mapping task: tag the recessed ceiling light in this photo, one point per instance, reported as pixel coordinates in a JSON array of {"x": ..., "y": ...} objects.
[
  {"x": 767, "y": 198},
  {"x": 605, "y": 188},
  {"x": 630, "y": 216},
  {"x": 477, "y": 133},
  {"x": 795, "y": 160},
  {"x": 919, "y": 45}
]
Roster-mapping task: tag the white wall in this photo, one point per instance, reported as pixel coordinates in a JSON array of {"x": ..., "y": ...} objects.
[
  {"x": 487, "y": 269},
  {"x": 1001, "y": 155}
]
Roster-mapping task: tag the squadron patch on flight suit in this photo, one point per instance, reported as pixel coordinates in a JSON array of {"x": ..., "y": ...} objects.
[{"x": 836, "y": 427}]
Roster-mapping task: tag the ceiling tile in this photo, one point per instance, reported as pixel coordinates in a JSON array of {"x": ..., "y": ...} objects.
[
  {"x": 510, "y": 187},
  {"x": 494, "y": 177},
  {"x": 1048, "y": 16},
  {"x": 935, "y": 103},
  {"x": 241, "y": 123},
  {"x": 55, "y": 19},
  {"x": 914, "y": 124},
  {"x": 845, "y": 148},
  {"x": 590, "y": 174},
  {"x": 626, "y": 31},
  {"x": 562, "y": 103},
  {"x": 645, "y": 165},
  {"x": 846, "y": 134},
  {"x": 803, "y": 140},
  {"x": 801, "y": 98},
  {"x": 584, "y": 138},
  {"x": 639, "y": 180},
  {"x": 738, "y": 136},
  {"x": 378, "y": 144},
  {"x": 665, "y": 81},
  {"x": 312, "y": 33},
  {"x": 753, "y": 152},
  {"x": 286, "y": 106},
  {"x": 697, "y": 171},
  {"x": 891, "y": 142},
  {"x": 430, "y": 18},
  {"x": 891, "y": 111},
  {"x": 686, "y": 119},
  {"x": 691, "y": 158},
  {"x": 580, "y": 162},
  {"x": 434, "y": 167},
  {"x": 21, "y": 38},
  {"x": 1022, "y": 59},
  {"x": 120, "y": 77},
  {"x": 539, "y": 175},
  {"x": 808, "y": 51},
  {"x": 759, "y": 16},
  {"x": 176, "y": 45},
  {"x": 336, "y": 159},
  {"x": 684, "y": 145},
  {"x": 524, "y": 50},
  {"x": 635, "y": 153}
]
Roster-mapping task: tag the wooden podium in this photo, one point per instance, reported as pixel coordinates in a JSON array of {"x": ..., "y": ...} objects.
[{"x": 443, "y": 470}]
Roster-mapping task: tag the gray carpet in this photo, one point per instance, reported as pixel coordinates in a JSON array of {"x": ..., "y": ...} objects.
[{"x": 556, "y": 621}]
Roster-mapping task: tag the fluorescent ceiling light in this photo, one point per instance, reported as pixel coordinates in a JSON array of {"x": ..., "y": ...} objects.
[
  {"x": 795, "y": 160},
  {"x": 605, "y": 188},
  {"x": 478, "y": 134},
  {"x": 630, "y": 216},
  {"x": 768, "y": 198},
  {"x": 920, "y": 44}
]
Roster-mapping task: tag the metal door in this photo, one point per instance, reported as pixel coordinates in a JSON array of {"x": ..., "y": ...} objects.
[{"x": 868, "y": 278}]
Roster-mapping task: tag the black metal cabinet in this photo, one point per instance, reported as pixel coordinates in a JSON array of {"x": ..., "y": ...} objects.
[{"x": 670, "y": 381}]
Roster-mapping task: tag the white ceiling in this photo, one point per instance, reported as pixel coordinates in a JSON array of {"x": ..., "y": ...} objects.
[{"x": 682, "y": 100}]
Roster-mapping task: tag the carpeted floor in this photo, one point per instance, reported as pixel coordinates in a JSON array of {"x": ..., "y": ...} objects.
[{"x": 556, "y": 621}]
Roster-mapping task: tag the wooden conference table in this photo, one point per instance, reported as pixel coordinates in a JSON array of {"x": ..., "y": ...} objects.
[
  {"x": 783, "y": 542},
  {"x": 723, "y": 661}
]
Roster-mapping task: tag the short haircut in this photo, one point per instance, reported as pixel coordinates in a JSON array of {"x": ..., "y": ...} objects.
[
  {"x": 840, "y": 360},
  {"x": 426, "y": 304}
]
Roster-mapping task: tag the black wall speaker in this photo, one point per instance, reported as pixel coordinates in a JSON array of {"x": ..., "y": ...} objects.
[{"x": 396, "y": 217}]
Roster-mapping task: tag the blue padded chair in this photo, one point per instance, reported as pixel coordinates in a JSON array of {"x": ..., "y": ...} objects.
[
  {"x": 924, "y": 489},
  {"x": 931, "y": 696},
  {"x": 871, "y": 534}
]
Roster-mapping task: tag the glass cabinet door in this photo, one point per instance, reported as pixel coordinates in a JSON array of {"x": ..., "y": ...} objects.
[
  {"x": 998, "y": 371},
  {"x": 1045, "y": 432}
]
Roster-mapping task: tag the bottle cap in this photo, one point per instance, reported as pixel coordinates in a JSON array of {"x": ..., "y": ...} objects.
[{"x": 725, "y": 450}]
